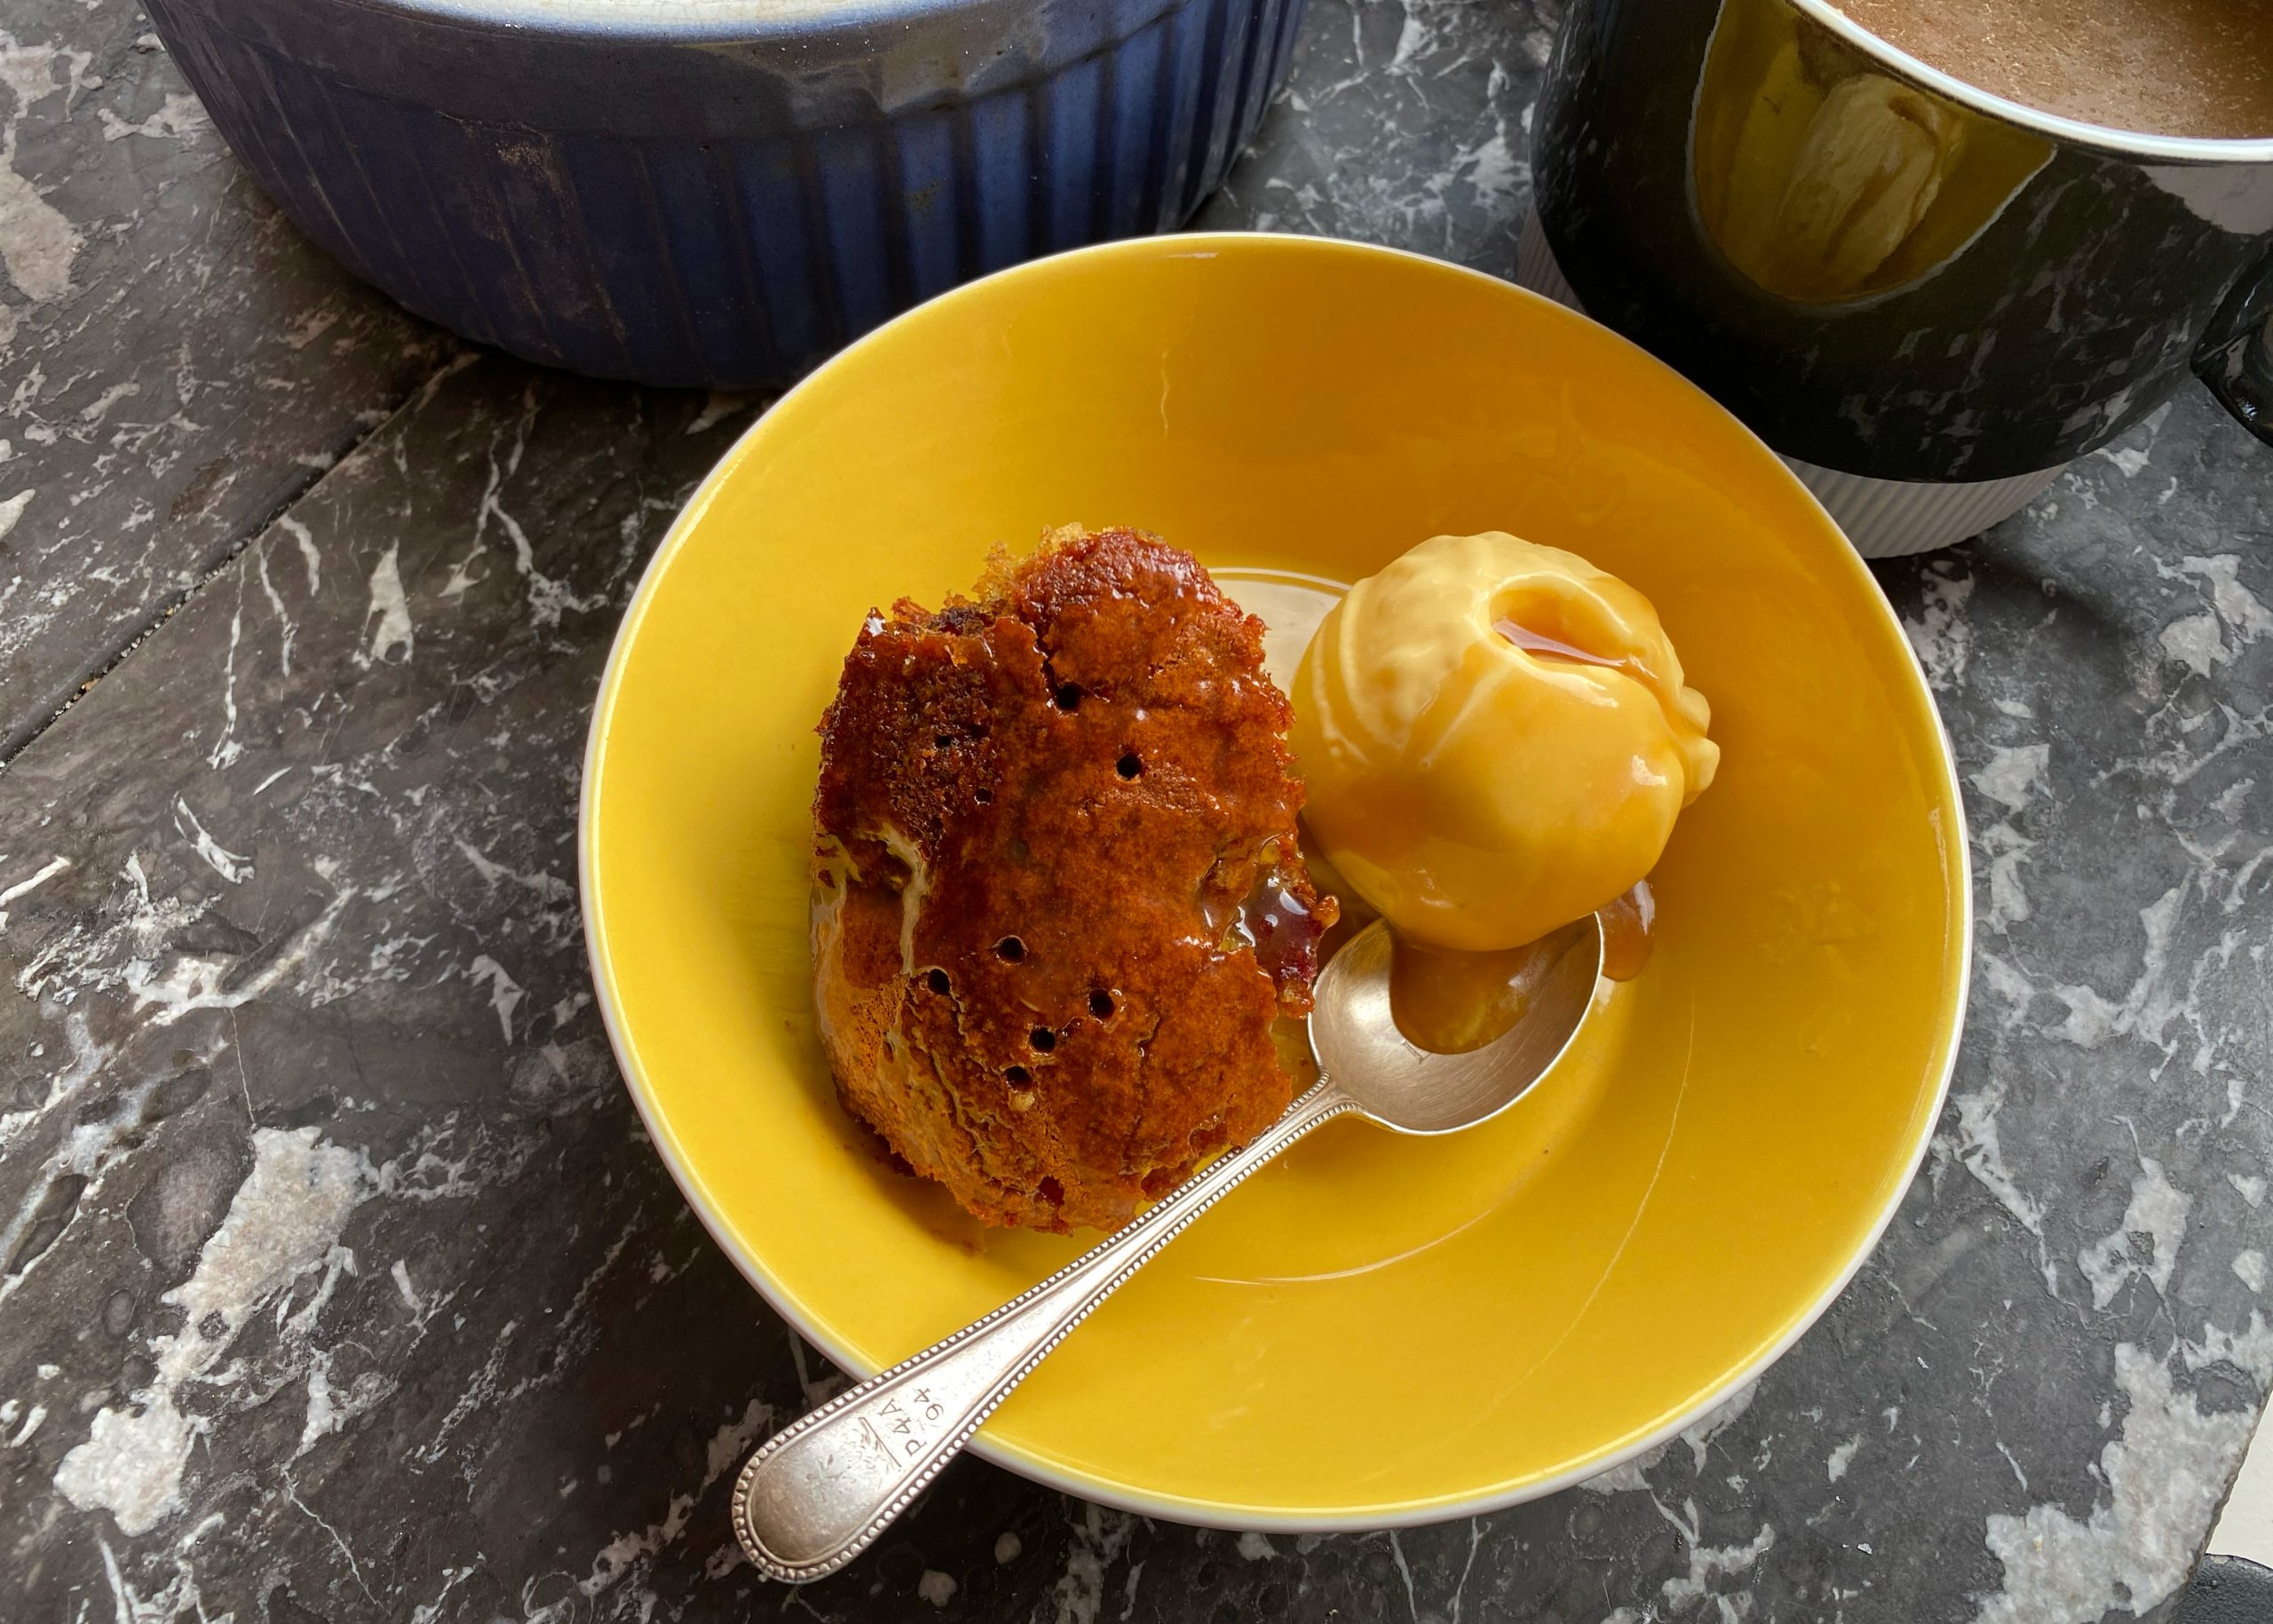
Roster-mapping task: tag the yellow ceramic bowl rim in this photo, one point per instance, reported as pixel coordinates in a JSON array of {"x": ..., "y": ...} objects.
[{"x": 1104, "y": 1491}]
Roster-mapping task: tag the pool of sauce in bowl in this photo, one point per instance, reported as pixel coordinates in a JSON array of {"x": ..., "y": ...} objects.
[
  {"x": 1629, "y": 926},
  {"x": 1450, "y": 1002}
]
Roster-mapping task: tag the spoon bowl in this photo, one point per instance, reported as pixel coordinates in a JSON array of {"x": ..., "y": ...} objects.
[
  {"x": 819, "y": 1493},
  {"x": 1399, "y": 1085}
]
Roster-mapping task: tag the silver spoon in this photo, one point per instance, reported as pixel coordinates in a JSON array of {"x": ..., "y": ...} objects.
[{"x": 819, "y": 1493}]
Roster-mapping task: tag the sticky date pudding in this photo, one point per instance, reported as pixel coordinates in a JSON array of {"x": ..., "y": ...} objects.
[{"x": 1059, "y": 899}]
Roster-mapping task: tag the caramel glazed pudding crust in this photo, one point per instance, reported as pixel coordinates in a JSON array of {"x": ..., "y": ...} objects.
[{"x": 1057, "y": 899}]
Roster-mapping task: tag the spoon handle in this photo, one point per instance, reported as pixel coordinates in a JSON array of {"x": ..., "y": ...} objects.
[{"x": 819, "y": 1493}]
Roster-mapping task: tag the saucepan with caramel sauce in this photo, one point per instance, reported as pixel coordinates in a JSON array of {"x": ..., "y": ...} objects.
[{"x": 1929, "y": 250}]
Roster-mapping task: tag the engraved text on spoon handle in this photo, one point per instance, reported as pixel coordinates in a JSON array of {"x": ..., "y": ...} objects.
[{"x": 818, "y": 1493}]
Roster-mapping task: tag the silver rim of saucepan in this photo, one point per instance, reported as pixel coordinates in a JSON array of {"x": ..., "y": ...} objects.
[
  {"x": 2174, "y": 148},
  {"x": 692, "y": 21}
]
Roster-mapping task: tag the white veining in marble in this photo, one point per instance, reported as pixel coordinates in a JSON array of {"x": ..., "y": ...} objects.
[
  {"x": 622, "y": 1557},
  {"x": 31, "y": 882},
  {"x": 1099, "y": 1538},
  {"x": 38, "y": 242},
  {"x": 1716, "y": 1571},
  {"x": 281, "y": 1225},
  {"x": 2156, "y": 1214},
  {"x": 2165, "y": 1473},
  {"x": 392, "y": 635}
]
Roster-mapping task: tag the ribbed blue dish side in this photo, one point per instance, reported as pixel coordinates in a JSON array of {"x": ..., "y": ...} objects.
[{"x": 743, "y": 260}]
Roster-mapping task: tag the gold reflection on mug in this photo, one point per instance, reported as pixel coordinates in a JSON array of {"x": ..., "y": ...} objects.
[{"x": 1825, "y": 181}]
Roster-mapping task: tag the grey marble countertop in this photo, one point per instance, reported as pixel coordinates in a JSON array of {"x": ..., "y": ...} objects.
[{"x": 336, "y": 1280}]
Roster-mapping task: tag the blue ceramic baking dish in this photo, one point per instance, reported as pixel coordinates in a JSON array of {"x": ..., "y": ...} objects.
[{"x": 721, "y": 192}]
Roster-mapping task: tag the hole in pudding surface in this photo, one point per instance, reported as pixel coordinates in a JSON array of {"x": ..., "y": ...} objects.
[
  {"x": 1129, "y": 766},
  {"x": 1050, "y": 1191},
  {"x": 1010, "y": 950},
  {"x": 943, "y": 741},
  {"x": 938, "y": 981},
  {"x": 1042, "y": 1039},
  {"x": 1069, "y": 695},
  {"x": 1016, "y": 1077},
  {"x": 1101, "y": 1005},
  {"x": 984, "y": 798}
]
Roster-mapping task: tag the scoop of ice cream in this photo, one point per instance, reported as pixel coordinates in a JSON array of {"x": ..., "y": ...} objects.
[{"x": 1496, "y": 740}]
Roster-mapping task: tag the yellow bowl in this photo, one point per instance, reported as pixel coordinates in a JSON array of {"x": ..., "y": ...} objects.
[{"x": 1376, "y": 1330}]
